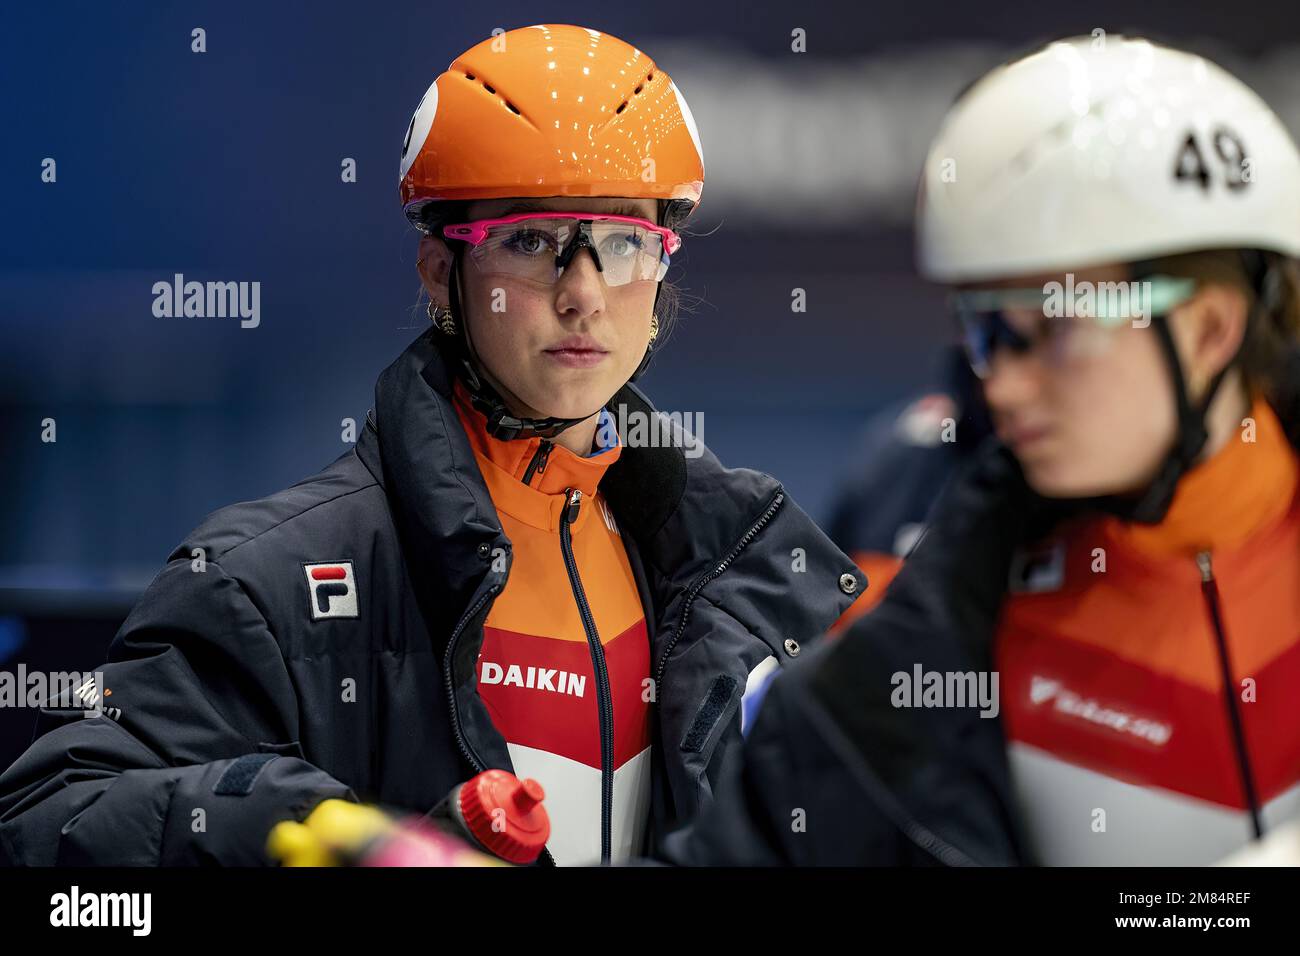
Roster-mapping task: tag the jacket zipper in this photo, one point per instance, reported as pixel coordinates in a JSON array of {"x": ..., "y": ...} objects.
[
  {"x": 1210, "y": 591},
  {"x": 605, "y": 701},
  {"x": 473, "y": 758},
  {"x": 721, "y": 566},
  {"x": 538, "y": 463},
  {"x": 919, "y": 835}
]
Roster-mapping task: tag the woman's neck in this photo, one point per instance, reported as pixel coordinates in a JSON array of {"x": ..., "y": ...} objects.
[
  {"x": 1223, "y": 421},
  {"x": 579, "y": 438},
  {"x": 1246, "y": 481}
]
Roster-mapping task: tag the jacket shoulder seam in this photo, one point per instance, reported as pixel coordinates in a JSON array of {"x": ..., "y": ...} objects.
[{"x": 298, "y": 514}]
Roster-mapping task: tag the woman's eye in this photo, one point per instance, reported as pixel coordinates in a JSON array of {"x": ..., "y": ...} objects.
[
  {"x": 1057, "y": 328},
  {"x": 623, "y": 245},
  {"x": 528, "y": 242}
]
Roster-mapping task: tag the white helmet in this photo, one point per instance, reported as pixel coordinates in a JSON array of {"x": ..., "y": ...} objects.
[{"x": 1103, "y": 149}]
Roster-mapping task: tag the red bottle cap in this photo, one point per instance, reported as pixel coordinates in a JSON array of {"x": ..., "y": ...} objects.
[{"x": 506, "y": 815}]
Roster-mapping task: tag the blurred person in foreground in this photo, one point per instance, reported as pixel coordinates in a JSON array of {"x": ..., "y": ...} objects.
[{"x": 1093, "y": 654}]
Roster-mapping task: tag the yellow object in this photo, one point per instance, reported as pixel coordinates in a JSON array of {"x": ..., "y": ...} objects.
[{"x": 331, "y": 832}]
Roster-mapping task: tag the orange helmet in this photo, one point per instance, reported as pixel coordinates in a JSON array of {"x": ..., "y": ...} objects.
[{"x": 551, "y": 110}]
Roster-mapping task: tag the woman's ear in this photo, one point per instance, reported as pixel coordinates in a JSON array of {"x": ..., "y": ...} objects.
[
  {"x": 434, "y": 266},
  {"x": 1212, "y": 326}
]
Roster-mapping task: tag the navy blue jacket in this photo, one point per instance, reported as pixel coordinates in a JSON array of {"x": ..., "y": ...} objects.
[
  {"x": 833, "y": 773},
  {"x": 229, "y": 699}
]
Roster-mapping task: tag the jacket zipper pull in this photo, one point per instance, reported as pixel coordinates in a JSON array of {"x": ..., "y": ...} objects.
[
  {"x": 1207, "y": 570},
  {"x": 538, "y": 463},
  {"x": 571, "y": 509}
]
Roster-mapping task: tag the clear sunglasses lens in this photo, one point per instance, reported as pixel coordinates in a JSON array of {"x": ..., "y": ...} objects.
[
  {"x": 629, "y": 253},
  {"x": 975, "y": 342},
  {"x": 528, "y": 250},
  {"x": 525, "y": 250}
]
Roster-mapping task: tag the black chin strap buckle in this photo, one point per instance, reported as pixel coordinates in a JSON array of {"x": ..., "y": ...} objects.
[{"x": 506, "y": 427}]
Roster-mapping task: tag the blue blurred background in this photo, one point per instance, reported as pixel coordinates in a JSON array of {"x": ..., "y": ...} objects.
[{"x": 225, "y": 165}]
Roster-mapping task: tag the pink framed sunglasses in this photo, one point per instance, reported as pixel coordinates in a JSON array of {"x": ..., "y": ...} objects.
[{"x": 540, "y": 245}]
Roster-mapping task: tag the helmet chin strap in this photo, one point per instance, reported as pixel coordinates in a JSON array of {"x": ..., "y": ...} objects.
[
  {"x": 501, "y": 423},
  {"x": 1151, "y": 506},
  {"x": 649, "y": 349}
]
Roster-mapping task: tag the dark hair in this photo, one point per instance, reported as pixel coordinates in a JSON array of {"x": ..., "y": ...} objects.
[
  {"x": 1277, "y": 335},
  {"x": 1271, "y": 335}
]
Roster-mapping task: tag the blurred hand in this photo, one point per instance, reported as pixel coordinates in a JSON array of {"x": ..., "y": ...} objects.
[{"x": 342, "y": 833}]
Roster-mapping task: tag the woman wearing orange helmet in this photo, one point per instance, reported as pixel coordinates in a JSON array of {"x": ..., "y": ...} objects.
[
  {"x": 509, "y": 148},
  {"x": 495, "y": 577},
  {"x": 533, "y": 148}
]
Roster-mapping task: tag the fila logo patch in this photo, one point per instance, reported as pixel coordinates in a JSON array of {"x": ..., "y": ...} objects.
[{"x": 333, "y": 589}]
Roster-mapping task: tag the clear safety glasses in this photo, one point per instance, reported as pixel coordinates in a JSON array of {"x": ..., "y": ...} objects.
[
  {"x": 1060, "y": 322},
  {"x": 539, "y": 245}
]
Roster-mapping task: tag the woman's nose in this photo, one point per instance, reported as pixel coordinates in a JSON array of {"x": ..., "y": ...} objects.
[
  {"x": 580, "y": 289},
  {"x": 1014, "y": 378}
]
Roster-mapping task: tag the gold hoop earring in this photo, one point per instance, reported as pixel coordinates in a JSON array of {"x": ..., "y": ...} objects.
[
  {"x": 440, "y": 315},
  {"x": 654, "y": 327}
]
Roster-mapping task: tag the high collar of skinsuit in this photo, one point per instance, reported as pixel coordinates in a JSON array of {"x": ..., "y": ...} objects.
[
  {"x": 505, "y": 464},
  {"x": 1245, "y": 486}
]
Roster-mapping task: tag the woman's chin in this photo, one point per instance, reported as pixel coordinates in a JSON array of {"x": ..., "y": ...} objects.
[
  {"x": 566, "y": 398},
  {"x": 579, "y": 406},
  {"x": 1059, "y": 480}
]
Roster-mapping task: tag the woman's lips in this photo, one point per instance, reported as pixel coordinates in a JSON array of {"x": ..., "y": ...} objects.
[
  {"x": 579, "y": 357},
  {"x": 1023, "y": 436}
]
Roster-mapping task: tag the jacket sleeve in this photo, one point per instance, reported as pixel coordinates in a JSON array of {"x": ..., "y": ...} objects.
[
  {"x": 795, "y": 799},
  {"x": 198, "y": 757},
  {"x": 827, "y": 771}
]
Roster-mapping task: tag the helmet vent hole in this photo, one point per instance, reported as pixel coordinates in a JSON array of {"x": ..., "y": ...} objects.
[
  {"x": 489, "y": 89},
  {"x": 636, "y": 91},
  {"x": 469, "y": 76},
  {"x": 622, "y": 106},
  {"x": 511, "y": 107}
]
